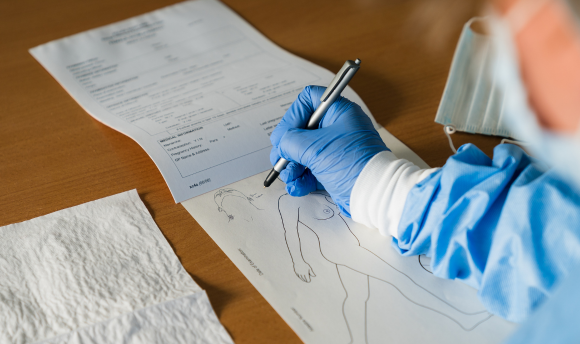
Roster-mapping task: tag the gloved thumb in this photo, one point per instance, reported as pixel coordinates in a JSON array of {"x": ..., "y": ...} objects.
[{"x": 294, "y": 147}]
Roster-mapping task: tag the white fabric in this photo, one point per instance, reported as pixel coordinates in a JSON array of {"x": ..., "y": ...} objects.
[
  {"x": 186, "y": 320},
  {"x": 380, "y": 192},
  {"x": 84, "y": 265}
]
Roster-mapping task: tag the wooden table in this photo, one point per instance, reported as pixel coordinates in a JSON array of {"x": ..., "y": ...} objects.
[{"x": 53, "y": 155}]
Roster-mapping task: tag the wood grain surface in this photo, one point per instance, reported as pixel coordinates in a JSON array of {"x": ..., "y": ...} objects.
[{"x": 53, "y": 155}]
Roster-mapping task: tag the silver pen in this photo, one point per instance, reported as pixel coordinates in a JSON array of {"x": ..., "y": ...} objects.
[{"x": 332, "y": 92}]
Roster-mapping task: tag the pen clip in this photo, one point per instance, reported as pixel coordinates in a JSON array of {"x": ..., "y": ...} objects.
[{"x": 346, "y": 67}]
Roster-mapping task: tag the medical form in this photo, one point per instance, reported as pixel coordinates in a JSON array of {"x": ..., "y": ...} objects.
[
  {"x": 201, "y": 90},
  {"x": 194, "y": 84}
]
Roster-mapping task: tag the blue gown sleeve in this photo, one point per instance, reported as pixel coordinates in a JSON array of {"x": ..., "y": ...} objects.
[{"x": 504, "y": 226}]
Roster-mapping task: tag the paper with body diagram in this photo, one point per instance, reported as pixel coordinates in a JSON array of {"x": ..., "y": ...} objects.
[
  {"x": 201, "y": 90},
  {"x": 196, "y": 86},
  {"x": 333, "y": 280}
]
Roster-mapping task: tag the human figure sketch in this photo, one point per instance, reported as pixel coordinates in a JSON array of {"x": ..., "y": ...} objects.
[
  {"x": 234, "y": 204},
  {"x": 425, "y": 263},
  {"x": 354, "y": 264}
]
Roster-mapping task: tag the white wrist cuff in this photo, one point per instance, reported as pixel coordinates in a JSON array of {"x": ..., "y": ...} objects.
[{"x": 379, "y": 194}]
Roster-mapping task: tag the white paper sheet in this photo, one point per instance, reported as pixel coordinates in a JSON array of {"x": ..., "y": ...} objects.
[
  {"x": 196, "y": 86},
  {"x": 85, "y": 265},
  {"x": 335, "y": 281}
]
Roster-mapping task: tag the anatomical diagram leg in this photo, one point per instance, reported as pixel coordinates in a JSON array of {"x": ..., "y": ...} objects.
[
  {"x": 356, "y": 286},
  {"x": 365, "y": 262}
]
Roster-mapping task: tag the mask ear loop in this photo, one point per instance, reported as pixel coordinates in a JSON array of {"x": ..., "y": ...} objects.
[
  {"x": 513, "y": 142},
  {"x": 449, "y": 130}
]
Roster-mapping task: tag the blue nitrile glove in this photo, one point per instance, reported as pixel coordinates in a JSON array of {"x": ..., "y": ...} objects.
[{"x": 335, "y": 154}]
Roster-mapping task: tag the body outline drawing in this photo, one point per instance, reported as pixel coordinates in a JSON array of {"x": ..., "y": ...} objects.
[
  {"x": 350, "y": 268},
  {"x": 425, "y": 263},
  {"x": 222, "y": 194}
]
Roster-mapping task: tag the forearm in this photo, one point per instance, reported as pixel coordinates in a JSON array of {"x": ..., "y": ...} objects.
[
  {"x": 379, "y": 194},
  {"x": 485, "y": 221},
  {"x": 293, "y": 243}
]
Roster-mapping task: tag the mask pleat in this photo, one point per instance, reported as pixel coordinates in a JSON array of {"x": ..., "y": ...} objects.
[{"x": 472, "y": 101}]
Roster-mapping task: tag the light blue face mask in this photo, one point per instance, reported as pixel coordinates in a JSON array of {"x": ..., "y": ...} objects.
[
  {"x": 485, "y": 94},
  {"x": 472, "y": 101}
]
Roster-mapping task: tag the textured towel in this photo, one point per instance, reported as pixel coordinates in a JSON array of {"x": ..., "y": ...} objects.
[{"x": 86, "y": 265}]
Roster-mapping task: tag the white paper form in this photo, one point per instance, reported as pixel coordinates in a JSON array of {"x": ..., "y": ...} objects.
[
  {"x": 333, "y": 280},
  {"x": 196, "y": 86}
]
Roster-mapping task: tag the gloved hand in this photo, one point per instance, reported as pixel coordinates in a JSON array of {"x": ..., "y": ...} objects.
[{"x": 335, "y": 154}]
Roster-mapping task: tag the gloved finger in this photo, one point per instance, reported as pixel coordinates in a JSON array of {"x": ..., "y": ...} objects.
[
  {"x": 295, "y": 143},
  {"x": 338, "y": 109},
  {"x": 299, "y": 112},
  {"x": 274, "y": 156},
  {"x": 291, "y": 172},
  {"x": 352, "y": 117},
  {"x": 302, "y": 185},
  {"x": 341, "y": 108}
]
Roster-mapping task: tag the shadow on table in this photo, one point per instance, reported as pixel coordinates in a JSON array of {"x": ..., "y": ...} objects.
[{"x": 379, "y": 94}]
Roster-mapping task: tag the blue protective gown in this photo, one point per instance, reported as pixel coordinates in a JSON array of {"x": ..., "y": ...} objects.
[
  {"x": 506, "y": 226},
  {"x": 555, "y": 321}
]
